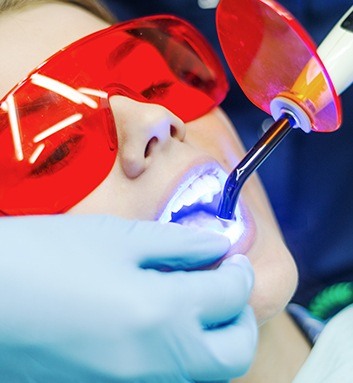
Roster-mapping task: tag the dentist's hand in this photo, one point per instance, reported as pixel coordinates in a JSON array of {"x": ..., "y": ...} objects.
[{"x": 82, "y": 300}]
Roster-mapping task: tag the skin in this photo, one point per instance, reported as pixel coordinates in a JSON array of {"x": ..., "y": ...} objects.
[{"x": 151, "y": 148}]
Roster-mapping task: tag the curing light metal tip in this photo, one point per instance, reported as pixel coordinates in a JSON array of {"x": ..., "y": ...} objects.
[{"x": 252, "y": 160}]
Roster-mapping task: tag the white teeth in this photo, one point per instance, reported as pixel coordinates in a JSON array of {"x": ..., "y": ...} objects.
[
  {"x": 165, "y": 217},
  {"x": 207, "y": 198},
  {"x": 205, "y": 186},
  {"x": 212, "y": 182},
  {"x": 202, "y": 189},
  {"x": 198, "y": 187},
  {"x": 177, "y": 205},
  {"x": 188, "y": 197}
]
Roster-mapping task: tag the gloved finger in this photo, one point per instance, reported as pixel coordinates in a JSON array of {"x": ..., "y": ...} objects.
[
  {"x": 173, "y": 247},
  {"x": 227, "y": 351},
  {"x": 219, "y": 295},
  {"x": 151, "y": 244}
]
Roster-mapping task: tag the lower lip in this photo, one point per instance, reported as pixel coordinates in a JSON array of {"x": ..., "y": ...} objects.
[
  {"x": 240, "y": 231},
  {"x": 247, "y": 235}
]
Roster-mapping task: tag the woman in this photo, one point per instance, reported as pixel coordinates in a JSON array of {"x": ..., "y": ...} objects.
[{"x": 159, "y": 160}]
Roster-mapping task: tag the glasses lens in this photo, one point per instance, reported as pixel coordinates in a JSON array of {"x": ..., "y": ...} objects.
[
  {"x": 270, "y": 54},
  {"x": 57, "y": 134},
  {"x": 162, "y": 59},
  {"x": 48, "y": 164}
]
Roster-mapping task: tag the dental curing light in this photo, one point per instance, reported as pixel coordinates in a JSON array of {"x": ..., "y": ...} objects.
[{"x": 276, "y": 64}]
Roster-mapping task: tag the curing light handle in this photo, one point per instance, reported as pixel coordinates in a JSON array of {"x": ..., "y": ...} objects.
[
  {"x": 336, "y": 52},
  {"x": 252, "y": 160}
]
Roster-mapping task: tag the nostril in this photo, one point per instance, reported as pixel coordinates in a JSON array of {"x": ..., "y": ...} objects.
[
  {"x": 173, "y": 131},
  {"x": 150, "y": 145},
  {"x": 177, "y": 131}
]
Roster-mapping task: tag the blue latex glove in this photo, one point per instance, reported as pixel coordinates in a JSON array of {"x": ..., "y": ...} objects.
[{"x": 79, "y": 302}]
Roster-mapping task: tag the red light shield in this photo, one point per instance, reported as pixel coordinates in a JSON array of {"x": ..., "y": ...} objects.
[{"x": 270, "y": 54}]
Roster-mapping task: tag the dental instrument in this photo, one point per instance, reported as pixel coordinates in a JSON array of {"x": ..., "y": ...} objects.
[{"x": 277, "y": 66}]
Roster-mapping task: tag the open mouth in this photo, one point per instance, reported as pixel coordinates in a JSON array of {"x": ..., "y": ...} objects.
[{"x": 195, "y": 204}]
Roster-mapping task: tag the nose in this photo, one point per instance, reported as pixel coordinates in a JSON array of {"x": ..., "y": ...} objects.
[{"x": 144, "y": 130}]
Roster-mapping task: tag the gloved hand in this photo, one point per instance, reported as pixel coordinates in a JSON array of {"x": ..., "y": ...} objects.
[{"x": 81, "y": 302}]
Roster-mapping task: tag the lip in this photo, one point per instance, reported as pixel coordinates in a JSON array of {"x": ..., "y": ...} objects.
[
  {"x": 247, "y": 237},
  {"x": 180, "y": 182}
]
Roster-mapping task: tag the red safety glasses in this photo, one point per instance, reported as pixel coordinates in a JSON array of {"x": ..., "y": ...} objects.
[{"x": 58, "y": 138}]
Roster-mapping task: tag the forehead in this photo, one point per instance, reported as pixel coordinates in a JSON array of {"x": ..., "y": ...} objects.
[{"x": 31, "y": 35}]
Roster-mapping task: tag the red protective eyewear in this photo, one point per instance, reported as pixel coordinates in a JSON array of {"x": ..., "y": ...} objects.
[{"x": 58, "y": 138}]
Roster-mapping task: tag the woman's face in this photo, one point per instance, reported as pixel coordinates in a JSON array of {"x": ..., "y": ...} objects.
[{"x": 162, "y": 163}]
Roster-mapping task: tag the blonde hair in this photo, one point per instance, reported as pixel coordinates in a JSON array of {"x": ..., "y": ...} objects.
[{"x": 98, "y": 8}]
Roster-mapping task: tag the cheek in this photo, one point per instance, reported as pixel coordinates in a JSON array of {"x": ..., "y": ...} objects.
[
  {"x": 112, "y": 196},
  {"x": 276, "y": 276},
  {"x": 121, "y": 196}
]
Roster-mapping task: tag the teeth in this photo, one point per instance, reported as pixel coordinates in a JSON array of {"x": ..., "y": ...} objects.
[
  {"x": 177, "y": 205},
  {"x": 212, "y": 182},
  {"x": 207, "y": 198},
  {"x": 188, "y": 197},
  {"x": 202, "y": 189},
  {"x": 198, "y": 187}
]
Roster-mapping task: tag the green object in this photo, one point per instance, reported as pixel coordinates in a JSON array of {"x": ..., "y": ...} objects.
[{"x": 332, "y": 300}]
